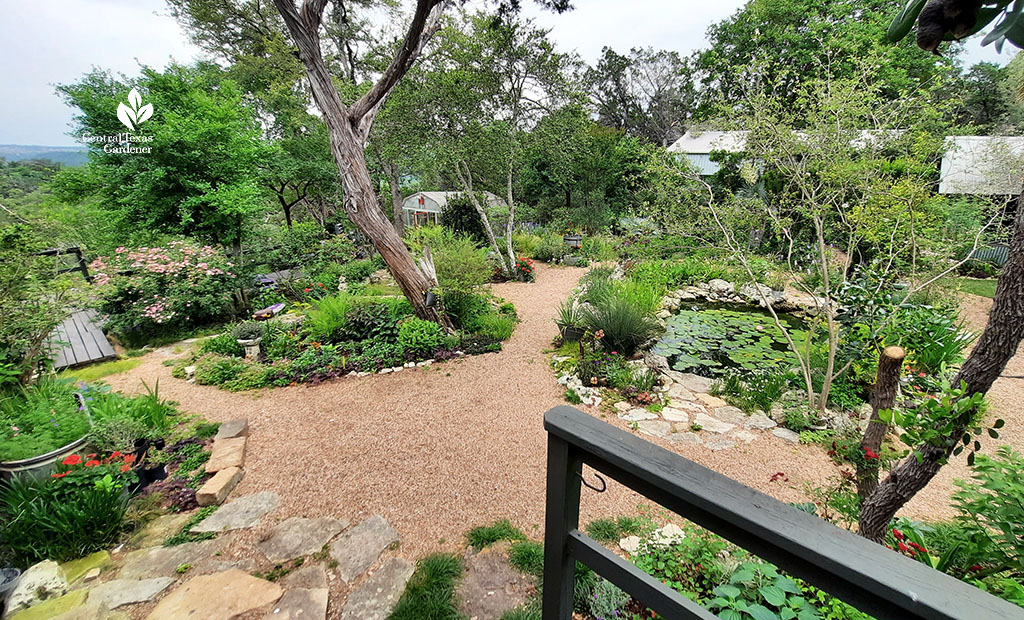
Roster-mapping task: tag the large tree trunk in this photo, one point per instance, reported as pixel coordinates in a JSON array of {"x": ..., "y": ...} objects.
[
  {"x": 997, "y": 344},
  {"x": 348, "y": 129},
  {"x": 884, "y": 397}
]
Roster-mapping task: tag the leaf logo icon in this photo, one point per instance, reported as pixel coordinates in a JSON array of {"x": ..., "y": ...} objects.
[{"x": 134, "y": 113}]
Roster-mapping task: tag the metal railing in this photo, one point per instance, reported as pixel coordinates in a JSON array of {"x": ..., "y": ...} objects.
[{"x": 865, "y": 575}]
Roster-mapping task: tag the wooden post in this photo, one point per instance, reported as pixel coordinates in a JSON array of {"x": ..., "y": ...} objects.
[
  {"x": 884, "y": 397},
  {"x": 563, "y": 515}
]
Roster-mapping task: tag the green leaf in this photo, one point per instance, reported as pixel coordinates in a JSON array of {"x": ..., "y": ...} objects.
[
  {"x": 999, "y": 423},
  {"x": 773, "y": 594},
  {"x": 993, "y": 433},
  {"x": 742, "y": 576},
  {"x": 760, "y": 612},
  {"x": 903, "y": 22},
  {"x": 788, "y": 585},
  {"x": 730, "y": 614},
  {"x": 727, "y": 591}
]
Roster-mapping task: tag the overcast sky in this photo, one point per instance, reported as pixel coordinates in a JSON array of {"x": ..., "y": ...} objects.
[{"x": 53, "y": 42}]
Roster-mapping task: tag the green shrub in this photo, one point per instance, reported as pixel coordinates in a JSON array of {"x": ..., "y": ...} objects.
[
  {"x": 248, "y": 330},
  {"x": 380, "y": 355},
  {"x": 495, "y": 326},
  {"x": 356, "y": 271},
  {"x": 420, "y": 337},
  {"x": 462, "y": 218},
  {"x": 461, "y": 265},
  {"x": 991, "y": 508},
  {"x": 118, "y": 433},
  {"x": 608, "y": 600},
  {"x": 572, "y": 396},
  {"x": 464, "y": 308},
  {"x": 482, "y": 536},
  {"x": 216, "y": 370},
  {"x": 599, "y": 248},
  {"x": 37, "y": 419},
  {"x": 526, "y": 244},
  {"x": 551, "y": 248},
  {"x": 281, "y": 342},
  {"x": 603, "y": 530},
  {"x": 50, "y": 520},
  {"x": 222, "y": 344},
  {"x": 326, "y": 320},
  {"x": 255, "y": 376},
  {"x": 370, "y": 319},
  {"x": 625, "y": 324}
]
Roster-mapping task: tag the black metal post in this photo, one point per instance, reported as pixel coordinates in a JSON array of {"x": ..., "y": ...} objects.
[{"x": 563, "y": 516}]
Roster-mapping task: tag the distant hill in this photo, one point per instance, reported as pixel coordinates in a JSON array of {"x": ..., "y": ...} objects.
[{"x": 66, "y": 155}]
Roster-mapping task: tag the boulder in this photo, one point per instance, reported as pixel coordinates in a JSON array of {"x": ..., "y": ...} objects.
[
  {"x": 732, "y": 415},
  {"x": 760, "y": 422},
  {"x": 720, "y": 287},
  {"x": 41, "y": 582},
  {"x": 712, "y": 425}
]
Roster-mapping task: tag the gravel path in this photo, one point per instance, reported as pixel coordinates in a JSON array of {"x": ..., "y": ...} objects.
[{"x": 441, "y": 449}]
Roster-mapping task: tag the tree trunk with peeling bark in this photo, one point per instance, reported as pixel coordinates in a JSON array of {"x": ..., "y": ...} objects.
[
  {"x": 884, "y": 397},
  {"x": 349, "y": 127},
  {"x": 997, "y": 344}
]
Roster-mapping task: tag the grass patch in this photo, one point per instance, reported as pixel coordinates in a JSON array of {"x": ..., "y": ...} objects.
[
  {"x": 480, "y": 537},
  {"x": 186, "y": 535},
  {"x": 88, "y": 374},
  {"x": 611, "y": 530},
  {"x": 982, "y": 288},
  {"x": 527, "y": 556},
  {"x": 430, "y": 593}
]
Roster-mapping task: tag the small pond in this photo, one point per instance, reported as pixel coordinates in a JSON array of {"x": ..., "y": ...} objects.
[{"x": 710, "y": 340}]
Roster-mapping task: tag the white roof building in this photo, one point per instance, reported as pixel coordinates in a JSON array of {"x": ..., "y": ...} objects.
[
  {"x": 982, "y": 165},
  {"x": 424, "y": 208},
  {"x": 698, "y": 146}
]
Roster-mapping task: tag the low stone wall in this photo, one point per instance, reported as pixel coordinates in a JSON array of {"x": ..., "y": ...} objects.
[{"x": 722, "y": 291}]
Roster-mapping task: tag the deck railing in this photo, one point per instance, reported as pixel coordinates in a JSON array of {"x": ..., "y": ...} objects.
[{"x": 871, "y": 578}]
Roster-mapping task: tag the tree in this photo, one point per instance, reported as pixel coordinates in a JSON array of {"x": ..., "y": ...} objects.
[
  {"x": 199, "y": 175},
  {"x": 1005, "y": 328},
  {"x": 787, "y": 43}
]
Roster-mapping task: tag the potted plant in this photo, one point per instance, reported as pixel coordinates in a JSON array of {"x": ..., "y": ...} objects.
[
  {"x": 570, "y": 321},
  {"x": 249, "y": 334},
  {"x": 573, "y": 239},
  {"x": 41, "y": 425}
]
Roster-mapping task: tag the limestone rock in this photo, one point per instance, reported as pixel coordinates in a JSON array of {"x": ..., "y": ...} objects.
[
  {"x": 41, "y": 582},
  {"x": 491, "y": 587},
  {"x": 678, "y": 392},
  {"x": 720, "y": 287},
  {"x": 357, "y": 549},
  {"x": 712, "y": 425},
  {"x": 300, "y": 604},
  {"x": 298, "y": 536},
  {"x": 220, "y": 596},
  {"x": 623, "y": 406},
  {"x": 667, "y": 535},
  {"x": 216, "y": 489},
  {"x": 786, "y": 435},
  {"x": 744, "y": 436},
  {"x": 309, "y": 577},
  {"x": 120, "y": 592},
  {"x": 657, "y": 428},
  {"x": 675, "y": 415},
  {"x": 375, "y": 599},
  {"x": 760, "y": 422},
  {"x": 159, "y": 529},
  {"x": 47, "y": 609},
  {"x": 732, "y": 415},
  {"x": 684, "y": 437},
  {"x": 233, "y": 429},
  {"x": 226, "y": 453},
  {"x": 687, "y": 406},
  {"x": 711, "y": 401},
  {"x": 164, "y": 561},
  {"x": 718, "y": 443},
  {"x": 636, "y": 415},
  {"x": 75, "y": 570},
  {"x": 239, "y": 514},
  {"x": 630, "y": 544}
]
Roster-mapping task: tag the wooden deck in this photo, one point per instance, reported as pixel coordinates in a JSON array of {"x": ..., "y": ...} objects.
[{"x": 79, "y": 340}]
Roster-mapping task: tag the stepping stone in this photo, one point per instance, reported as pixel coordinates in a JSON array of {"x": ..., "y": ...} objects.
[
  {"x": 744, "y": 436},
  {"x": 732, "y": 415},
  {"x": 75, "y": 570},
  {"x": 684, "y": 437},
  {"x": 309, "y": 577},
  {"x": 52, "y": 608},
  {"x": 41, "y": 582},
  {"x": 687, "y": 406},
  {"x": 357, "y": 549},
  {"x": 300, "y": 604},
  {"x": 216, "y": 489},
  {"x": 635, "y": 415},
  {"x": 491, "y": 587},
  {"x": 221, "y": 596},
  {"x": 375, "y": 599},
  {"x": 164, "y": 561},
  {"x": 760, "y": 421},
  {"x": 694, "y": 383},
  {"x": 711, "y": 401},
  {"x": 719, "y": 444},
  {"x": 298, "y": 536},
  {"x": 656, "y": 428},
  {"x": 675, "y": 415},
  {"x": 786, "y": 435},
  {"x": 226, "y": 453},
  {"x": 120, "y": 592},
  {"x": 678, "y": 392},
  {"x": 239, "y": 514},
  {"x": 232, "y": 429},
  {"x": 712, "y": 425},
  {"x": 623, "y": 406},
  {"x": 91, "y": 611},
  {"x": 160, "y": 529}
]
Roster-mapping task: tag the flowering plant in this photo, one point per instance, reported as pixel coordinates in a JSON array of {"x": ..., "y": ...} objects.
[
  {"x": 112, "y": 472},
  {"x": 157, "y": 289},
  {"x": 524, "y": 269}
]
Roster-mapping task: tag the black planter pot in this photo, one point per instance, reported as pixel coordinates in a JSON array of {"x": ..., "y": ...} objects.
[{"x": 572, "y": 334}]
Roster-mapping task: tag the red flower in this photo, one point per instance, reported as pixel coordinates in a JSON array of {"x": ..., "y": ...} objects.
[
  {"x": 129, "y": 458},
  {"x": 115, "y": 454},
  {"x": 306, "y": 290},
  {"x": 975, "y": 568},
  {"x": 60, "y": 475},
  {"x": 869, "y": 453},
  {"x": 125, "y": 467},
  {"x": 91, "y": 456},
  {"x": 898, "y": 534},
  {"x": 92, "y": 463},
  {"x": 74, "y": 459},
  {"x": 903, "y": 547}
]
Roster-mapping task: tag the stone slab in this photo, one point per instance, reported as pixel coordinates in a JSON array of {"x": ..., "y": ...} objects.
[
  {"x": 719, "y": 443},
  {"x": 300, "y": 604},
  {"x": 711, "y": 401},
  {"x": 692, "y": 408},
  {"x": 40, "y": 582},
  {"x": 694, "y": 383},
  {"x": 760, "y": 422},
  {"x": 684, "y": 437},
  {"x": 732, "y": 415},
  {"x": 786, "y": 435},
  {"x": 491, "y": 587},
  {"x": 226, "y": 453},
  {"x": 357, "y": 549},
  {"x": 309, "y": 577},
  {"x": 216, "y": 489},
  {"x": 744, "y": 436},
  {"x": 160, "y": 529},
  {"x": 675, "y": 415},
  {"x": 75, "y": 570},
  {"x": 239, "y": 514},
  {"x": 92, "y": 611},
  {"x": 120, "y": 592},
  {"x": 656, "y": 428},
  {"x": 233, "y": 429},
  {"x": 221, "y": 596},
  {"x": 51, "y": 608},
  {"x": 678, "y": 392},
  {"x": 298, "y": 536},
  {"x": 636, "y": 415},
  {"x": 164, "y": 561},
  {"x": 375, "y": 599},
  {"x": 712, "y": 425}
]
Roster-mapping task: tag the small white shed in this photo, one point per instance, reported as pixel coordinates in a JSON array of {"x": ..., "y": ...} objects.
[
  {"x": 423, "y": 208},
  {"x": 697, "y": 147}
]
